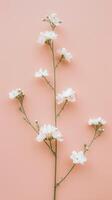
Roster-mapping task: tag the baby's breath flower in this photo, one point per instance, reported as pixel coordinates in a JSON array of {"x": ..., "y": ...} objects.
[
  {"x": 66, "y": 95},
  {"x": 16, "y": 94},
  {"x": 53, "y": 20},
  {"x": 46, "y": 37},
  {"x": 97, "y": 122},
  {"x": 41, "y": 72},
  {"x": 78, "y": 157},
  {"x": 65, "y": 54},
  {"x": 49, "y": 132}
]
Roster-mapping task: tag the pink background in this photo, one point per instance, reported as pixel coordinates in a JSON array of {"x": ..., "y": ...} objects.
[{"x": 26, "y": 167}]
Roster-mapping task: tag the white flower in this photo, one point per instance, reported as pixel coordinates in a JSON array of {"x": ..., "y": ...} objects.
[
  {"x": 97, "y": 122},
  {"x": 46, "y": 37},
  {"x": 53, "y": 19},
  {"x": 66, "y": 95},
  {"x": 65, "y": 53},
  {"x": 78, "y": 157},
  {"x": 41, "y": 72},
  {"x": 16, "y": 93},
  {"x": 49, "y": 132}
]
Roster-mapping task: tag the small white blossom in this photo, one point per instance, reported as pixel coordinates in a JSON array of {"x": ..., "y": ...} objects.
[
  {"x": 53, "y": 19},
  {"x": 16, "y": 93},
  {"x": 46, "y": 37},
  {"x": 65, "y": 53},
  {"x": 49, "y": 132},
  {"x": 78, "y": 157},
  {"x": 41, "y": 72},
  {"x": 66, "y": 95},
  {"x": 97, "y": 122}
]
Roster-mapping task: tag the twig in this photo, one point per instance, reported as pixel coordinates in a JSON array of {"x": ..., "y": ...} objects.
[
  {"x": 58, "y": 114},
  {"x": 85, "y": 150},
  {"x": 48, "y": 82},
  {"x": 31, "y": 125},
  {"x": 50, "y": 141},
  {"x": 26, "y": 117},
  {"x": 87, "y": 147},
  {"x": 69, "y": 171},
  {"x": 58, "y": 63}
]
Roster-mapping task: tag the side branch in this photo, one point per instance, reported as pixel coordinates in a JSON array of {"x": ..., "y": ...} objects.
[
  {"x": 69, "y": 171},
  {"x": 86, "y": 148},
  {"x": 65, "y": 103},
  {"x": 48, "y": 82},
  {"x": 27, "y": 119},
  {"x": 58, "y": 63},
  {"x": 31, "y": 125}
]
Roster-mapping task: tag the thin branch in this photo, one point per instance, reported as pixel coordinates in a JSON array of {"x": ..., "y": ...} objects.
[
  {"x": 31, "y": 125},
  {"x": 50, "y": 141},
  {"x": 65, "y": 103},
  {"x": 87, "y": 147},
  {"x": 49, "y": 147},
  {"x": 37, "y": 124},
  {"x": 26, "y": 117},
  {"x": 59, "y": 61},
  {"x": 85, "y": 150},
  {"x": 69, "y": 171},
  {"x": 48, "y": 82}
]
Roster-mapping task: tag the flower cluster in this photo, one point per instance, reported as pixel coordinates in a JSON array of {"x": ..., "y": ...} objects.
[
  {"x": 65, "y": 54},
  {"x": 46, "y": 37},
  {"x": 41, "y": 72},
  {"x": 97, "y": 124},
  {"x": 16, "y": 94},
  {"x": 53, "y": 20},
  {"x": 66, "y": 95},
  {"x": 47, "y": 132},
  {"x": 78, "y": 157}
]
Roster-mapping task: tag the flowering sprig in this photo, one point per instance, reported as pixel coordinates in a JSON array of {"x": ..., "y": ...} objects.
[
  {"x": 53, "y": 20},
  {"x": 17, "y": 94},
  {"x": 65, "y": 54},
  {"x": 47, "y": 37},
  {"x": 43, "y": 73},
  {"x": 66, "y": 95},
  {"x": 79, "y": 157},
  {"x": 97, "y": 124},
  {"x": 49, "y": 133}
]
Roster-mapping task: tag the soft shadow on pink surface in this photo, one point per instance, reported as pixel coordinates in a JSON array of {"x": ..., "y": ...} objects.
[{"x": 26, "y": 167}]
